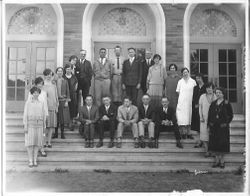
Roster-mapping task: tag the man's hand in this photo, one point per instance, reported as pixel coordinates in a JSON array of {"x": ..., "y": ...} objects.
[
  {"x": 66, "y": 104},
  {"x": 127, "y": 122},
  {"x": 88, "y": 122},
  {"x": 123, "y": 87},
  {"x": 138, "y": 86}
]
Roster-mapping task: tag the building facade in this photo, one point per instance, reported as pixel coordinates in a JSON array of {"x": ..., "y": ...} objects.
[{"x": 207, "y": 38}]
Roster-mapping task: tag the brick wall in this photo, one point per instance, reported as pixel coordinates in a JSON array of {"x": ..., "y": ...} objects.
[
  {"x": 174, "y": 16},
  {"x": 73, "y": 14}
]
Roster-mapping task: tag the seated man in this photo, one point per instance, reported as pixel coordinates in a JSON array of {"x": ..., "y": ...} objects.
[
  {"x": 127, "y": 116},
  {"x": 107, "y": 113},
  {"x": 165, "y": 119},
  {"x": 146, "y": 116},
  {"x": 88, "y": 116}
]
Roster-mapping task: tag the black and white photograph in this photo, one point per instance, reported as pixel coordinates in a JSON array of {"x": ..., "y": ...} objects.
[{"x": 111, "y": 97}]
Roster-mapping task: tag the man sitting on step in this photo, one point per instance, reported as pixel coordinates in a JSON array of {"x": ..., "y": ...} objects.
[
  {"x": 88, "y": 116},
  {"x": 146, "y": 117},
  {"x": 127, "y": 116},
  {"x": 107, "y": 113},
  {"x": 165, "y": 120}
]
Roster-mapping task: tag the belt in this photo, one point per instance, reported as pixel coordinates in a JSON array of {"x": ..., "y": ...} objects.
[{"x": 117, "y": 74}]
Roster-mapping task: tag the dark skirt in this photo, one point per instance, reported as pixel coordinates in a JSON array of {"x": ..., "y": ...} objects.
[
  {"x": 195, "y": 123},
  {"x": 219, "y": 139},
  {"x": 73, "y": 105},
  {"x": 63, "y": 113}
]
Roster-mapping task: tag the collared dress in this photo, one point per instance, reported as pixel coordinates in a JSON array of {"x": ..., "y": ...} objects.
[
  {"x": 184, "y": 105},
  {"x": 52, "y": 101},
  {"x": 34, "y": 120},
  {"x": 156, "y": 77}
]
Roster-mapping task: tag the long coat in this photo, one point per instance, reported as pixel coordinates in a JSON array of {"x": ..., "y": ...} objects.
[{"x": 219, "y": 117}]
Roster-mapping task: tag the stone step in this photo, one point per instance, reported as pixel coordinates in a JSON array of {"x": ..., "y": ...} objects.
[
  {"x": 19, "y": 130},
  {"x": 128, "y": 149},
  {"x": 90, "y": 167}
]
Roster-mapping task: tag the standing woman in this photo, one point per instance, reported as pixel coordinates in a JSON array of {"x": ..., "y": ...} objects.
[
  {"x": 219, "y": 117},
  {"x": 204, "y": 103},
  {"x": 73, "y": 84},
  {"x": 52, "y": 101},
  {"x": 72, "y": 60},
  {"x": 171, "y": 84},
  {"x": 185, "y": 88},
  {"x": 34, "y": 119},
  {"x": 156, "y": 81},
  {"x": 63, "y": 97}
]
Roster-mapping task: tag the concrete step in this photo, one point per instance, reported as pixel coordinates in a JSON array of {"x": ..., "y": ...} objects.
[{"x": 90, "y": 167}]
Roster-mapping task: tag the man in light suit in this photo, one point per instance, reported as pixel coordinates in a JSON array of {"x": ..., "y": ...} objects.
[
  {"x": 84, "y": 73},
  {"x": 146, "y": 64},
  {"x": 131, "y": 75},
  {"x": 116, "y": 85},
  {"x": 88, "y": 116},
  {"x": 127, "y": 116},
  {"x": 102, "y": 74}
]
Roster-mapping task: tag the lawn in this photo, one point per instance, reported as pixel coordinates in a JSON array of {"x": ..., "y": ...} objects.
[{"x": 122, "y": 182}]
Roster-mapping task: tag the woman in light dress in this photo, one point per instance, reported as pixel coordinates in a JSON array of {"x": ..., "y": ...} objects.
[
  {"x": 156, "y": 81},
  {"x": 34, "y": 120},
  {"x": 204, "y": 103},
  {"x": 185, "y": 88},
  {"x": 52, "y": 100}
]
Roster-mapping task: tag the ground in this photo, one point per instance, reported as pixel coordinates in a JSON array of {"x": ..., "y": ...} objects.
[{"x": 122, "y": 182}]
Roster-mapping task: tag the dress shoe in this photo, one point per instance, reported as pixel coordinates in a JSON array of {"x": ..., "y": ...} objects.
[
  {"x": 91, "y": 145},
  {"x": 190, "y": 137},
  {"x": 49, "y": 146},
  {"x": 136, "y": 143},
  {"x": 119, "y": 145},
  {"x": 156, "y": 144},
  {"x": 86, "y": 144},
  {"x": 111, "y": 144},
  {"x": 43, "y": 153},
  {"x": 198, "y": 145},
  {"x": 222, "y": 165},
  {"x": 55, "y": 136},
  {"x": 179, "y": 144},
  {"x": 143, "y": 144},
  {"x": 99, "y": 144},
  {"x": 151, "y": 143},
  {"x": 30, "y": 164},
  {"x": 215, "y": 165}
]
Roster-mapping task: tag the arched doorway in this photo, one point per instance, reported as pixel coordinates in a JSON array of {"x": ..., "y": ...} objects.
[
  {"x": 34, "y": 41},
  {"x": 213, "y": 39},
  {"x": 148, "y": 33}
]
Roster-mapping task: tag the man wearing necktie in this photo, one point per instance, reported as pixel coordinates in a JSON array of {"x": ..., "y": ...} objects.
[
  {"x": 84, "y": 73},
  {"x": 165, "y": 120},
  {"x": 107, "y": 113},
  {"x": 116, "y": 84},
  {"x": 102, "y": 74},
  {"x": 131, "y": 75},
  {"x": 127, "y": 116},
  {"x": 146, "y": 64}
]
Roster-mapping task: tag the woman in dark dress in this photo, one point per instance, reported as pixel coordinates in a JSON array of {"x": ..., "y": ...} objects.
[
  {"x": 72, "y": 83},
  {"x": 219, "y": 117}
]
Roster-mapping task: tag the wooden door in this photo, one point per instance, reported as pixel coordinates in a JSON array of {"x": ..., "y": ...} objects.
[{"x": 25, "y": 62}]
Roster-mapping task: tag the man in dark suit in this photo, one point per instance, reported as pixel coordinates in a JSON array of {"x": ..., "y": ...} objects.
[
  {"x": 107, "y": 113},
  {"x": 146, "y": 63},
  {"x": 84, "y": 73},
  {"x": 146, "y": 119},
  {"x": 88, "y": 116},
  {"x": 131, "y": 75},
  {"x": 165, "y": 120}
]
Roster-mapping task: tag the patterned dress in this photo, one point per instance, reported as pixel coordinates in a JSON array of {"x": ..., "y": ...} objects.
[
  {"x": 34, "y": 120},
  {"x": 156, "y": 77}
]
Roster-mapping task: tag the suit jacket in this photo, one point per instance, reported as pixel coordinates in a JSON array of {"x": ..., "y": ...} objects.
[
  {"x": 145, "y": 68},
  {"x": 150, "y": 114},
  {"x": 85, "y": 115},
  {"x": 112, "y": 112},
  {"x": 102, "y": 72},
  {"x": 131, "y": 74},
  {"x": 160, "y": 115},
  {"x": 122, "y": 113},
  {"x": 84, "y": 71}
]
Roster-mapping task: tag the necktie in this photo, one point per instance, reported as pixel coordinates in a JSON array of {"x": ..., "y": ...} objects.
[
  {"x": 118, "y": 66},
  {"x": 127, "y": 115},
  {"x": 102, "y": 61},
  {"x": 89, "y": 112}
]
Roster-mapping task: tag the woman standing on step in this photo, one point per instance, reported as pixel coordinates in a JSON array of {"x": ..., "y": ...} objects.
[
  {"x": 219, "y": 117},
  {"x": 53, "y": 103},
  {"x": 63, "y": 114},
  {"x": 73, "y": 84},
  {"x": 204, "y": 103},
  {"x": 34, "y": 120}
]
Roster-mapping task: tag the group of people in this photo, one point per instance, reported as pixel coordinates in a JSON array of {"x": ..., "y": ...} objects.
[{"x": 168, "y": 103}]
